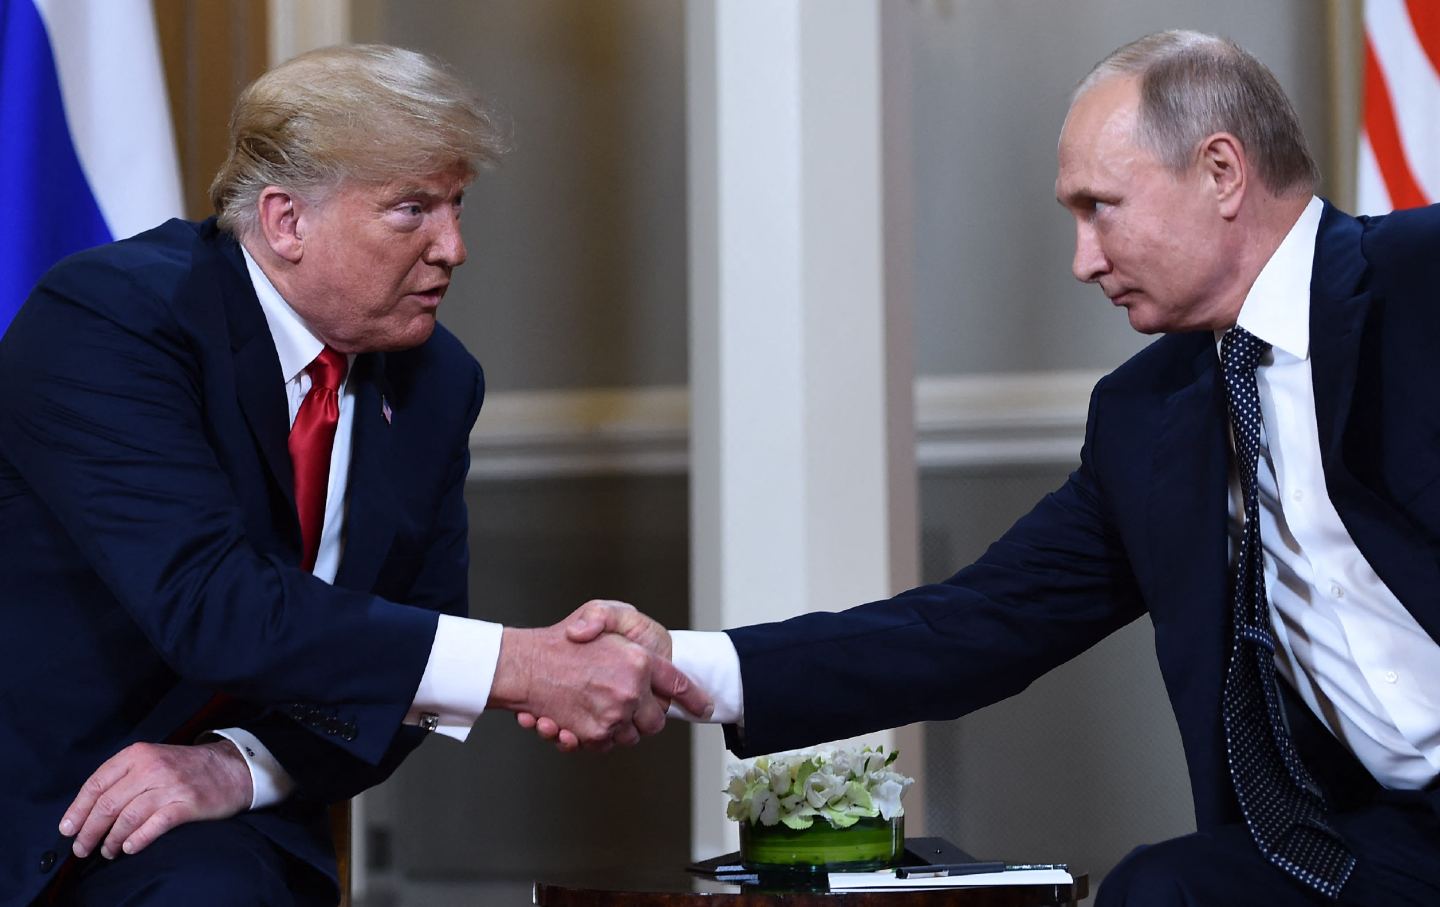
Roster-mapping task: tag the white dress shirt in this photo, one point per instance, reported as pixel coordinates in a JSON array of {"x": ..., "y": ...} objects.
[
  {"x": 456, "y": 683},
  {"x": 1356, "y": 656},
  {"x": 1344, "y": 641}
]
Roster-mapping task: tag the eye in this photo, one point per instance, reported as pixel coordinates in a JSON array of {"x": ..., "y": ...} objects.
[{"x": 405, "y": 216}]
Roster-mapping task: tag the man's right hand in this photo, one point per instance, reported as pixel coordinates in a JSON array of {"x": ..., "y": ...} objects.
[
  {"x": 600, "y": 677},
  {"x": 593, "y": 620}
]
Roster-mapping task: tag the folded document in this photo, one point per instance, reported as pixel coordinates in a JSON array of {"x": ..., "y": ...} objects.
[{"x": 865, "y": 881}]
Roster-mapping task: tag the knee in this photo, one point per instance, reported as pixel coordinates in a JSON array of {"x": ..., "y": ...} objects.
[
  {"x": 218, "y": 864},
  {"x": 1149, "y": 876},
  {"x": 215, "y": 883}
]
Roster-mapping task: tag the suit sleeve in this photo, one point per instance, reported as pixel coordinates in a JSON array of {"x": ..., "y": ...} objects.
[
  {"x": 1056, "y": 583},
  {"x": 328, "y": 773},
  {"x": 102, "y": 417}
]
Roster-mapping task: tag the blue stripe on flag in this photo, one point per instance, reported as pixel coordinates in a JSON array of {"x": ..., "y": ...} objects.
[{"x": 51, "y": 211}]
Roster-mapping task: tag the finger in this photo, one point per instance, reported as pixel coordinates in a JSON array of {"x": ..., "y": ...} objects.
[
  {"x": 111, "y": 789},
  {"x": 567, "y": 742},
  {"x": 596, "y": 617},
  {"x": 650, "y": 717},
  {"x": 160, "y": 821},
  {"x": 547, "y": 728},
  {"x": 627, "y": 736},
  {"x": 106, "y": 811},
  {"x": 525, "y": 720},
  {"x": 136, "y": 813},
  {"x": 669, "y": 682},
  {"x": 110, "y": 771}
]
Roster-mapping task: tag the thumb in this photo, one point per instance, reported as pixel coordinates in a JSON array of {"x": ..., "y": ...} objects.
[
  {"x": 594, "y": 618},
  {"x": 670, "y": 683}
]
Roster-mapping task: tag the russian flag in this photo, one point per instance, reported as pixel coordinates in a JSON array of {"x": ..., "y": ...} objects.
[
  {"x": 1399, "y": 161},
  {"x": 87, "y": 154}
]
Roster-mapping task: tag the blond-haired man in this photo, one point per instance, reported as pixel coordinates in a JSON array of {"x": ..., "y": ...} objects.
[{"x": 232, "y": 531}]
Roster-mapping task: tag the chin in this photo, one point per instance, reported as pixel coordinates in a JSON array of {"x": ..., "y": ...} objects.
[
  {"x": 414, "y": 333},
  {"x": 1143, "y": 323}
]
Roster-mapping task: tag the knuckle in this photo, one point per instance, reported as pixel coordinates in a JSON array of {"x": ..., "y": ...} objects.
[{"x": 107, "y": 805}]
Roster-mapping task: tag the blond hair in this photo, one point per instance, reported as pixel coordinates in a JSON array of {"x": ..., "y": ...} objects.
[{"x": 368, "y": 113}]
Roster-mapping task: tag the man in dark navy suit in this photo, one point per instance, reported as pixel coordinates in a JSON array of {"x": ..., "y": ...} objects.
[
  {"x": 1292, "y": 574},
  {"x": 232, "y": 525}
]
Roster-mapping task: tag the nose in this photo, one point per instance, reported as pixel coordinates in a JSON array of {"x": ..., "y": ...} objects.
[
  {"x": 1090, "y": 263},
  {"x": 447, "y": 249}
]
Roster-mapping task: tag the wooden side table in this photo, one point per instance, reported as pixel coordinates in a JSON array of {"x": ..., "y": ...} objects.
[{"x": 677, "y": 888}]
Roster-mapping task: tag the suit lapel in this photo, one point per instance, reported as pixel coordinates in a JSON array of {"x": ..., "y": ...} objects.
[
  {"x": 259, "y": 383},
  {"x": 370, "y": 513},
  {"x": 1338, "y": 310}
]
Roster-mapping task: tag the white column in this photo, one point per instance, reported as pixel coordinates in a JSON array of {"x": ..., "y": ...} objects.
[
  {"x": 802, "y": 423},
  {"x": 300, "y": 25}
]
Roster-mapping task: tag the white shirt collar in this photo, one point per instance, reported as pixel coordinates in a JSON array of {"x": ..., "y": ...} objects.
[
  {"x": 295, "y": 344},
  {"x": 1277, "y": 308}
]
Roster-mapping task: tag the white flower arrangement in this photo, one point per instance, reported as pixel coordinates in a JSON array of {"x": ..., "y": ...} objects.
[{"x": 842, "y": 784}]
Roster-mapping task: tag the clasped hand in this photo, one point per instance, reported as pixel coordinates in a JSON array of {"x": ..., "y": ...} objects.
[{"x": 606, "y": 680}]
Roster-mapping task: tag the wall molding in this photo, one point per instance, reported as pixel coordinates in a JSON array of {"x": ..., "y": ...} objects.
[{"x": 1035, "y": 418}]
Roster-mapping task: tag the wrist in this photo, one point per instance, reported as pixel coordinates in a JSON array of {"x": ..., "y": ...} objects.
[
  {"x": 230, "y": 763},
  {"x": 511, "y": 686}
]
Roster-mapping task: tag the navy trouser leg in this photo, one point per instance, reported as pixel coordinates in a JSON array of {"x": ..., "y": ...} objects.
[
  {"x": 1219, "y": 868},
  {"x": 1397, "y": 842},
  {"x": 218, "y": 864},
  {"x": 1395, "y": 839}
]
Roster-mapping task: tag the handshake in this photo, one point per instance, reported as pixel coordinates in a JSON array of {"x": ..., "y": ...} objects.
[{"x": 598, "y": 678}]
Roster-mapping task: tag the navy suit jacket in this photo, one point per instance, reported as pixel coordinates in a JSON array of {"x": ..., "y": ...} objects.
[
  {"x": 1141, "y": 527},
  {"x": 149, "y": 546}
]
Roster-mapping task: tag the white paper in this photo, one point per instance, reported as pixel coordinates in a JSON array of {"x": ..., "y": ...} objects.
[{"x": 862, "y": 881}]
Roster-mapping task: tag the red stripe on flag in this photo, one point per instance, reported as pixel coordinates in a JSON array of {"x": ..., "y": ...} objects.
[
  {"x": 1385, "y": 138},
  {"x": 1425, "y": 19}
]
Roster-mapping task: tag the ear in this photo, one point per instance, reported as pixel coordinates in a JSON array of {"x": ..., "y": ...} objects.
[
  {"x": 280, "y": 223},
  {"x": 1226, "y": 171}
]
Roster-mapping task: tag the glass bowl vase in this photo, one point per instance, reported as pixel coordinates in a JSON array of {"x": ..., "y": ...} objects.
[{"x": 869, "y": 844}]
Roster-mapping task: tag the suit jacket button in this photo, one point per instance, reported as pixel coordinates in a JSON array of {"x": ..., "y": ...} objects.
[{"x": 47, "y": 861}]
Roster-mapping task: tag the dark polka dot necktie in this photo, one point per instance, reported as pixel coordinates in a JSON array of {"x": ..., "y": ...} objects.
[{"x": 1283, "y": 807}]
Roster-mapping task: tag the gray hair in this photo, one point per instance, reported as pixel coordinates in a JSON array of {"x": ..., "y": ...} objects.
[
  {"x": 1193, "y": 85},
  {"x": 367, "y": 113}
]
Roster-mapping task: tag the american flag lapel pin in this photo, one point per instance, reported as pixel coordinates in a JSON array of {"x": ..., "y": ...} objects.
[{"x": 385, "y": 408}]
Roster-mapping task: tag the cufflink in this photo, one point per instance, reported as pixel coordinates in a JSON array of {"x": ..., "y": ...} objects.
[{"x": 429, "y": 721}]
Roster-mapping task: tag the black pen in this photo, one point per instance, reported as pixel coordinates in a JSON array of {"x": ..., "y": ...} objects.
[{"x": 964, "y": 869}]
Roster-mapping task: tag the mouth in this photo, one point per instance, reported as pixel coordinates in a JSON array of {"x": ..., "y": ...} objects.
[{"x": 430, "y": 298}]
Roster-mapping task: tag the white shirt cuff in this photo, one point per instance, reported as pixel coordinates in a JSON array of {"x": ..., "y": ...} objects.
[
  {"x": 710, "y": 661},
  {"x": 456, "y": 683},
  {"x": 269, "y": 782}
]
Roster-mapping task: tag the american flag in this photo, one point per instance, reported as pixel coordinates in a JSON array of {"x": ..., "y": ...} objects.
[{"x": 1399, "y": 160}]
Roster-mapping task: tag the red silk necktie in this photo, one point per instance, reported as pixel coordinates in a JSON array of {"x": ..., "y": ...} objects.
[{"x": 311, "y": 439}]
